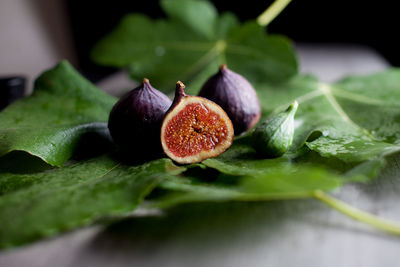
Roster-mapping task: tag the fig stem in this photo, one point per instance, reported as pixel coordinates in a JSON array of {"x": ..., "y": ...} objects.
[
  {"x": 359, "y": 215},
  {"x": 179, "y": 92},
  {"x": 222, "y": 67},
  {"x": 272, "y": 12},
  {"x": 145, "y": 80}
]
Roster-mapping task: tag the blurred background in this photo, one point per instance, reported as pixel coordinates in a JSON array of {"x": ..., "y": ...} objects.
[{"x": 35, "y": 34}]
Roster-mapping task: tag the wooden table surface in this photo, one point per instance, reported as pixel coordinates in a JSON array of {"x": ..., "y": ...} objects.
[{"x": 281, "y": 233}]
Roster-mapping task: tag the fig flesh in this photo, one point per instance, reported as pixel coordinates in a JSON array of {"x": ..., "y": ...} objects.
[
  {"x": 135, "y": 121},
  {"x": 236, "y": 96},
  {"x": 195, "y": 129}
]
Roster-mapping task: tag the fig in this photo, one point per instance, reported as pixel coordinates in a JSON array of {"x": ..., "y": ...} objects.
[
  {"x": 135, "y": 120},
  {"x": 236, "y": 96},
  {"x": 195, "y": 129},
  {"x": 273, "y": 137}
]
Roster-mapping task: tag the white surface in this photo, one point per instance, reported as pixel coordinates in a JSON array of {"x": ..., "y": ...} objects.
[{"x": 282, "y": 233}]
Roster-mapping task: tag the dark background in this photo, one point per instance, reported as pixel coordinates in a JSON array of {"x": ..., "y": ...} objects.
[{"x": 370, "y": 23}]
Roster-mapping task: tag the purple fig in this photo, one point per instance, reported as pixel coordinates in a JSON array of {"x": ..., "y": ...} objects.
[
  {"x": 195, "y": 129},
  {"x": 135, "y": 120},
  {"x": 236, "y": 96}
]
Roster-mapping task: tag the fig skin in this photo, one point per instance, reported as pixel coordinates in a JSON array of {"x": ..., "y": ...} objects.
[
  {"x": 236, "y": 96},
  {"x": 135, "y": 121},
  {"x": 273, "y": 137},
  {"x": 205, "y": 133}
]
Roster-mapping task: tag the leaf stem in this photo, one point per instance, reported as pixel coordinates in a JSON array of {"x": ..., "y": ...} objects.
[
  {"x": 362, "y": 216},
  {"x": 272, "y": 12}
]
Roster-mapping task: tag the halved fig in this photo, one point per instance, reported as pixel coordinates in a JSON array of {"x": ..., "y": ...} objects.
[{"x": 195, "y": 129}]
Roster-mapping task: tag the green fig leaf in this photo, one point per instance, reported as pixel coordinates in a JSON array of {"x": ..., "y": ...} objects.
[
  {"x": 353, "y": 121},
  {"x": 43, "y": 204},
  {"x": 201, "y": 16},
  {"x": 50, "y": 201},
  {"x": 49, "y": 124},
  {"x": 191, "y": 44}
]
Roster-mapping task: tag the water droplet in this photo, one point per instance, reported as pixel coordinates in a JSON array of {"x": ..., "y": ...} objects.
[{"x": 160, "y": 51}]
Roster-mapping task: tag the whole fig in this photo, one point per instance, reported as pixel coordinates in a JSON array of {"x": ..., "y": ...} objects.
[
  {"x": 273, "y": 137},
  {"x": 236, "y": 96},
  {"x": 135, "y": 120}
]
